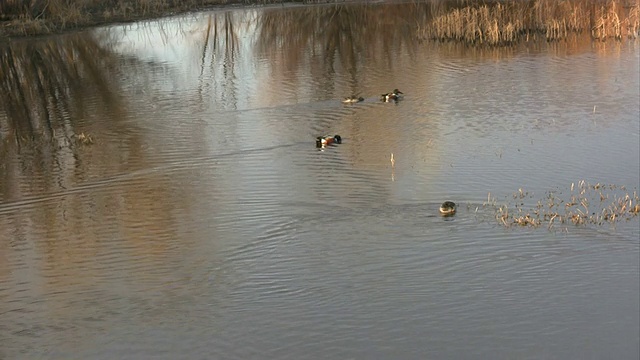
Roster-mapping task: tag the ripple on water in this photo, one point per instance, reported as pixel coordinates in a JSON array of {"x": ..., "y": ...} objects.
[{"x": 205, "y": 221}]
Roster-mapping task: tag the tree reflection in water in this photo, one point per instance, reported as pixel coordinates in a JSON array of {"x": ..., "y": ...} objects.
[
  {"x": 44, "y": 81},
  {"x": 346, "y": 32}
]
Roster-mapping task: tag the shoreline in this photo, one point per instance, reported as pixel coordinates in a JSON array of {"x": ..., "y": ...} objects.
[
  {"x": 19, "y": 26},
  {"x": 474, "y": 22}
]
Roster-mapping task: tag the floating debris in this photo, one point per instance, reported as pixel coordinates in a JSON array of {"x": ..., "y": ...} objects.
[{"x": 84, "y": 139}]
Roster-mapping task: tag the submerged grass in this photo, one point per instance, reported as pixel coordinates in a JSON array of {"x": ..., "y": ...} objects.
[{"x": 495, "y": 22}]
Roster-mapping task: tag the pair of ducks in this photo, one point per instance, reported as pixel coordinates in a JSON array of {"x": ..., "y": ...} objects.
[{"x": 395, "y": 95}]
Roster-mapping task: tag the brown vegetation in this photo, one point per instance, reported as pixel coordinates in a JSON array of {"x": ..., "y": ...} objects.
[
  {"x": 84, "y": 139},
  {"x": 503, "y": 23},
  {"x": 489, "y": 22},
  {"x": 32, "y": 17},
  {"x": 595, "y": 204}
]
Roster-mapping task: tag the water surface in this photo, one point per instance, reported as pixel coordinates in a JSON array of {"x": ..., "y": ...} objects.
[{"x": 203, "y": 222}]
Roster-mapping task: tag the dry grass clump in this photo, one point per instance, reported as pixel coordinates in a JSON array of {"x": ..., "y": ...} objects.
[
  {"x": 502, "y": 23},
  {"x": 84, "y": 139},
  {"x": 590, "y": 204},
  {"x": 493, "y": 24}
]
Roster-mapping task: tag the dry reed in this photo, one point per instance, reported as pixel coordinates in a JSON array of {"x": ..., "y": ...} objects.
[
  {"x": 596, "y": 204},
  {"x": 84, "y": 139},
  {"x": 502, "y": 23}
]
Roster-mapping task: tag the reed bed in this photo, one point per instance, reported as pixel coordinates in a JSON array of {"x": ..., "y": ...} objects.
[
  {"x": 586, "y": 204},
  {"x": 497, "y": 23}
]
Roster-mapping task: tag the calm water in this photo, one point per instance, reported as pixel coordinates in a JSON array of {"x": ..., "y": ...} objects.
[{"x": 203, "y": 222}]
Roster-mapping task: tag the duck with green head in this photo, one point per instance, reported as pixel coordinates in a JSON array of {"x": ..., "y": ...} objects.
[{"x": 395, "y": 95}]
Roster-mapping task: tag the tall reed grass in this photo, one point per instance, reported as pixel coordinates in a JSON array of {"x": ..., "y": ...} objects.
[{"x": 502, "y": 23}]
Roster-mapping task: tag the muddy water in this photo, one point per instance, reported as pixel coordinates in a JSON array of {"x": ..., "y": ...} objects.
[{"x": 202, "y": 222}]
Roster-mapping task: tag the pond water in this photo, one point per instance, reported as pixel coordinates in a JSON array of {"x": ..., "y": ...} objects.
[{"x": 202, "y": 221}]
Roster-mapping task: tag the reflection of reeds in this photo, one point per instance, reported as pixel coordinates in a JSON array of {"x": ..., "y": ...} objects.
[
  {"x": 43, "y": 84},
  {"x": 501, "y": 23}
]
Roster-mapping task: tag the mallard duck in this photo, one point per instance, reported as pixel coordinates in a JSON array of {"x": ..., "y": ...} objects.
[
  {"x": 394, "y": 95},
  {"x": 448, "y": 208},
  {"x": 323, "y": 141},
  {"x": 352, "y": 99}
]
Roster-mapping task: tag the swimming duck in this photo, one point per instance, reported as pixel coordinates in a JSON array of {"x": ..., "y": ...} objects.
[
  {"x": 394, "y": 95},
  {"x": 323, "y": 141},
  {"x": 352, "y": 99},
  {"x": 448, "y": 208}
]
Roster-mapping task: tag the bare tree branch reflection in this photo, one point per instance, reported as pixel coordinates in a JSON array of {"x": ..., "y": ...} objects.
[
  {"x": 42, "y": 84},
  {"x": 347, "y": 32},
  {"x": 220, "y": 51}
]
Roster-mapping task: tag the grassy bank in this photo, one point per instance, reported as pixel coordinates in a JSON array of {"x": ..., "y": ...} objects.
[
  {"x": 500, "y": 23},
  {"x": 487, "y": 22},
  {"x": 37, "y": 17}
]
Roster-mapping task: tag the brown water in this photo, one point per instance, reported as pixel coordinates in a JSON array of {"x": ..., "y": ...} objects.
[{"x": 203, "y": 222}]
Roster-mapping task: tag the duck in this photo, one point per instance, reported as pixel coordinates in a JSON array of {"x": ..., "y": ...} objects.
[
  {"x": 394, "y": 95},
  {"x": 324, "y": 141},
  {"x": 352, "y": 99},
  {"x": 448, "y": 208}
]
